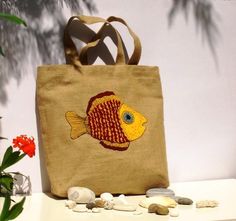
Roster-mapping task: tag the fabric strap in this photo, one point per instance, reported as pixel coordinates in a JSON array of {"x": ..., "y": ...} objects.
[{"x": 73, "y": 57}]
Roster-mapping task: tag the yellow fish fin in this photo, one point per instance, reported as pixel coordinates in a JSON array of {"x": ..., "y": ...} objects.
[
  {"x": 77, "y": 123},
  {"x": 115, "y": 146}
]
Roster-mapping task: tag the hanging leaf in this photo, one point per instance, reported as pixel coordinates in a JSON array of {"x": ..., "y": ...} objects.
[
  {"x": 16, "y": 210},
  {"x": 7, "y": 155},
  {"x": 13, "y": 18},
  {"x": 13, "y": 158},
  {"x": 1, "y": 51}
]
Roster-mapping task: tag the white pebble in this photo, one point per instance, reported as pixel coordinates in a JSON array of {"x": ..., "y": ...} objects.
[
  {"x": 81, "y": 194},
  {"x": 80, "y": 209},
  {"x": 122, "y": 199},
  {"x": 106, "y": 196},
  {"x": 206, "y": 203},
  {"x": 174, "y": 213},
  {"x": 108, "y": 205},
  {"x": 123, "y": 207},
  {"x": 96, "y": 210},
  {"x": 70, "y": 204},
  {"x": 137, "y": 213}
]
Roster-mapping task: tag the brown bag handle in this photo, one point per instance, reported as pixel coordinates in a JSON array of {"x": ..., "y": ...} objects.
[
  {"x": 135, "y": 57},
  {"x": 71, "y": 54}
]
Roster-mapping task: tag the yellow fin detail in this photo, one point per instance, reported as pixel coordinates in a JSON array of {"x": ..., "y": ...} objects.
[{"x": 77, "y": 123}]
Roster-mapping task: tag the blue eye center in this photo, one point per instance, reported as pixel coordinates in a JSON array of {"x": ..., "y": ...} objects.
[{"x": 128, "y": 117}]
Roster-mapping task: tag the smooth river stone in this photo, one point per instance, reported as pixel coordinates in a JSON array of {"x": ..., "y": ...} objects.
[
  {"x": 160, "y": 192},
  {"x": 81, "y": 195},
  {"x": 91, "y": 205},
  {"x": 100, "y": 203},
  {"x": 162, "y": 210},
  {"x": 152, "y": 208},
  {"x": 125, "y": 207},
  {"x": 162, "y": 200},
  {"x": 184, "y": 201}
]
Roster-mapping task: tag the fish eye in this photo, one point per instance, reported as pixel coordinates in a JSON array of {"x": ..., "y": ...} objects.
[{"x": 128, "y": 117}]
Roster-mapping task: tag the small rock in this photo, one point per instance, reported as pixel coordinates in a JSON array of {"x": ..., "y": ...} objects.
[
  {"x": 162, "y": 200},
  {"x": 160, "y": 192},
  {"x": 106, "y": 196},
  {"x": 96, "y": 210},
  {"x": 174, "y": 213},
  {"x": 81, "y": 195},
  {"x": 162, "y": 210},
  {"x": 108, "y": 205},
  {"x": 90, "y": 205},
  {"x": 122, "y": 198},
  {"x": 184, "y": 201},
  {"x": 137, "y": 213},
  {"x": 206, "y": 203},
  {"x": 70, "y": 204},
  {"x": 100, "y": 203},
  {"x": 80, "y": 209},
  {"x": 123, "y": 207},
  {"x": 152, "y": 208}
]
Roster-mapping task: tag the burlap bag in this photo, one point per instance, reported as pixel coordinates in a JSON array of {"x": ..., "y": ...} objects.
[{"x": 102, "y": 125}]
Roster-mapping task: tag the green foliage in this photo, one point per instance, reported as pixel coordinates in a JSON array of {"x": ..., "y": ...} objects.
[
  {"x": 14, "y": 19},
  {"x": 6, "y": 183},
  {"x": 10, "y": 158},
  {"x": 11, "y": 213},
  {"x": 1, "y": 51}
]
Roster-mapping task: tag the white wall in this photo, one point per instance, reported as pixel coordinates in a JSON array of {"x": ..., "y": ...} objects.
[{"x": 199, "y": 97}]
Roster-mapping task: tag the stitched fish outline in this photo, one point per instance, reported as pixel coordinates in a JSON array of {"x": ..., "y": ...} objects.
[{"x": 109, "y": 120}]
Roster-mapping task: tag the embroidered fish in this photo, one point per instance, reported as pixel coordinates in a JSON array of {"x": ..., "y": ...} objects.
[{"x": 109, "y": 120}]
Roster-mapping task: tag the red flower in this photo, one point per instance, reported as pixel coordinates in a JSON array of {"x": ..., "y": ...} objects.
[{"x": 26, "y": 144}]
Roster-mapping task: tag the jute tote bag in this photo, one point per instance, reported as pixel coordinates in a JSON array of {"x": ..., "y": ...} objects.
[{"x": 102, "y": 125}]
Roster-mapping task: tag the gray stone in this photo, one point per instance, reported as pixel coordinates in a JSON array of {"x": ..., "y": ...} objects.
[
  {"x": 160, "y": 192},
  {"x": 184, "y": 201},
  {"x": 90, "y": 205}
]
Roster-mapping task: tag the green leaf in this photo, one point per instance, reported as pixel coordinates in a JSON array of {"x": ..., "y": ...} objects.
[
  {"x": 12, "y": 159},
  {"x": 5, "y": 209},
  {"x": 13, "y": 18},
  {"x": 7, "y": 182},
  {"x": 1, "y": 53},
  {"x": 16, "y": 210},
  {"x": 7, "y": 155}
]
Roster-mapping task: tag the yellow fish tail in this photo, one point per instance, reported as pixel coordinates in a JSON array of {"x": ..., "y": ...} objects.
[{"x": 77, "y": 123}]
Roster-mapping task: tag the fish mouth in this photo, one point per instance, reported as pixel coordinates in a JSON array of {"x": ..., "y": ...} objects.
[{"x": 143, "y": 124}]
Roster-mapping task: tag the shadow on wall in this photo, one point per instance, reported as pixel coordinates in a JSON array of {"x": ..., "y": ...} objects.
[
  {"x": 40, "y": 42},
  {"x": 205, "y": 18}
]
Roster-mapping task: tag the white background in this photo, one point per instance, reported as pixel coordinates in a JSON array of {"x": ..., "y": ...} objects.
[{"x": 199, "y": 93}]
